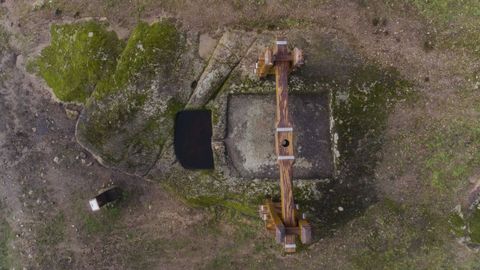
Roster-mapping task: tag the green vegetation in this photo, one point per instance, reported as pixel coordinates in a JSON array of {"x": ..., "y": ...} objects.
[
  {"x": 151, "y": 50},
  {"x": 360, "y": 111},
  {"x": 6, "y": 236},
  {"x": 103, "y": 222},
  {"x": 79, "y": 56},
  {"x": 452, "y": 153},
  {"x": 4, "y": 38},
  {"x": 121, "y": 101},
  {"x": 474, "y": 226},
  {"x": 466, "y": 225},
  {"x": 243, "y": 233},
  {"x": 457, "y": 21},
  {"x": 53, "y": 232},
  {"x": 402, "y": 237}
]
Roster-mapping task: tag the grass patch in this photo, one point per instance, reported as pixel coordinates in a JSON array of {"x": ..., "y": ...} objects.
[
  {"x": 466, "y": 226},
  {"x": 457, "y": 21},
  {"x": 53, "y": 232},
  {"x": 6, "y": 255},
  {"x": 244, "y": 235},
  {"x": 102, "y": 222},
  {"x": 4, "y": 38},
  {"x": 474, "y": 226},
  {"x": 452, "y": 154},
  {"x": 402, "y": 237}
]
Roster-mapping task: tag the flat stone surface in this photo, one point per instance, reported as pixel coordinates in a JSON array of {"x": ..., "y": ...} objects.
[{"x": 250, "y": 136}]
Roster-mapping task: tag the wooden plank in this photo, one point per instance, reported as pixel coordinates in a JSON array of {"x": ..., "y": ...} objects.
[
  {"x": 263, "y": 69},
  {"x": 268, "y": 57},
  {"x": 279, "y": 226},
  {"x": 278, "y": 209},
  {"x": 305, "y": 231},
  {"x": 297, "y": 58}
]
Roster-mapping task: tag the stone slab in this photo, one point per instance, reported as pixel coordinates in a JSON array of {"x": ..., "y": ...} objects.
[{"x": 250, "y": 135}]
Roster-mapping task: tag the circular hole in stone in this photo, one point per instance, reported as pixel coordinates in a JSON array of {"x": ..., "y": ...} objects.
[
  {"x": 285, "y": 143},
  {"x": 194, "y": 84}
]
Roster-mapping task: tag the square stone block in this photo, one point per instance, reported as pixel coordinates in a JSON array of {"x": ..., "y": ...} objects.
[{"x": 251, "y": 133}]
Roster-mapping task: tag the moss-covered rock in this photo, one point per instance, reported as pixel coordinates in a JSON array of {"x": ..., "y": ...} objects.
[
  {"x": 128, "y": 121},
  {"x": 151, "y": 51},
  {"x": 466, "y": 226},
  {"x": 131, "y": 113},
  {"x": 361, "y": 96},
  {"x": 79, "y": 56}
]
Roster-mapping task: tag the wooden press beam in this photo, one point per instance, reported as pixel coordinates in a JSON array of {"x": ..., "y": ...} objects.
[
  {"x": 284, "y": 140},
  {"x": 281, "y": 62}
]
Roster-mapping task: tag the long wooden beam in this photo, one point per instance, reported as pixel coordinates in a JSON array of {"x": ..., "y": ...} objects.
[
  {"x": 281, "y": 62},
  {"x": 284, "y": 140}
]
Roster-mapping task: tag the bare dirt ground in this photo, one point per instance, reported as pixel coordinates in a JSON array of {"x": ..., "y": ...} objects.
[{"x": 47, "y": 178}]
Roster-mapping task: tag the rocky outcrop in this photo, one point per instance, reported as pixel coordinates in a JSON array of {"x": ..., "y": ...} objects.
[
  {"x": 226, "y": 56},
  {"x": 130, "y": 116},
  {"x": 341, "y": 104}
]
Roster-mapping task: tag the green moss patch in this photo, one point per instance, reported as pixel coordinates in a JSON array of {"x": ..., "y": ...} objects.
[
  {"x": 360, "y": 111},
  {"x": 131, "y": 113},
  {"x": 151, "y": 50},
  {"x": 79, "y": 56},
  {"x": 466, "y": 226}
]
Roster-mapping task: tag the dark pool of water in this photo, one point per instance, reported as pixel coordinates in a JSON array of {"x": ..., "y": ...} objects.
[{"x": 193, "y": 139}]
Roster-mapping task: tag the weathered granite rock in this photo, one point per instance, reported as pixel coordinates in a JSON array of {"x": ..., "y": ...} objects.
[
  {"x": 340, "y": 142},
  {"x": 340, "y": 105},
  {"x": 250, "y": 140},
  {"x": 129, "y": 117},
  {"x": 228, "y": 53}
]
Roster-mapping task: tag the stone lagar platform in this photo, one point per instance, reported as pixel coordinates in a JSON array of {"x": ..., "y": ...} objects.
[{"x": 250, "y": 135}]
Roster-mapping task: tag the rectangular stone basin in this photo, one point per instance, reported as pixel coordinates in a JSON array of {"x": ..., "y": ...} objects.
[{"x": 251, "y": 130}]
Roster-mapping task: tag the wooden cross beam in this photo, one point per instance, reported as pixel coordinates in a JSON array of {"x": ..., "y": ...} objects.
[{"x": 280, "y": 62}]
